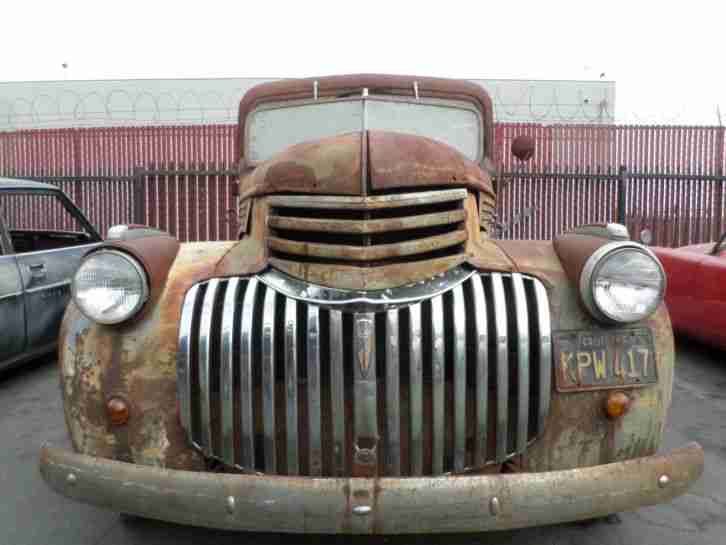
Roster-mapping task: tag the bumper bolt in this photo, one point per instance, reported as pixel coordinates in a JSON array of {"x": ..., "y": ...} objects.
[
  {"x": 230, "y": 504},
  {"x": 663, "y": 481},
  {"x": 71, "y": 479},
  {"x": 494, "y": 506}
]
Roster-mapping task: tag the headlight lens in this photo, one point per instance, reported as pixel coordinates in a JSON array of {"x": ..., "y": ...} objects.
[
  {"x": 110, "y": 287},
  {"x": 622, "y": 282}
]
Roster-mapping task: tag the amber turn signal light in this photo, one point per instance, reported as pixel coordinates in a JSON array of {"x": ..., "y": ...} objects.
[
  {"x": 617, "y": 405},
  {"x": 118, "y": 411}
]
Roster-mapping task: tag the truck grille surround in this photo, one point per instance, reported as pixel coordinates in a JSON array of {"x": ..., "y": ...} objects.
[
  {"x": 450, "y": 375},
  {"x": 368, "y": 231}
]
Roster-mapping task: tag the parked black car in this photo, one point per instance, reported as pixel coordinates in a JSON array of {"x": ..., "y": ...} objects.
[{"x": 43, "y": 236}]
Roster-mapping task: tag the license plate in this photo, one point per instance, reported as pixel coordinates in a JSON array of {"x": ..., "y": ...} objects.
[{"x": 587, "y": 360}]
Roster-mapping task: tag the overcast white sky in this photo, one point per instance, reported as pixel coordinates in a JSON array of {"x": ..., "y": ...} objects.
[{"x": 667, "y": 58}]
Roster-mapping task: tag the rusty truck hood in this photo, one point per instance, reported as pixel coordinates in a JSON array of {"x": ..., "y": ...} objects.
[{"x": 362, "y": 162}]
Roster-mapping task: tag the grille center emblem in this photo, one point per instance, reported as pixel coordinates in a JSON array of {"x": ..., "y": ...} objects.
[{"x": 364, "y": 342}]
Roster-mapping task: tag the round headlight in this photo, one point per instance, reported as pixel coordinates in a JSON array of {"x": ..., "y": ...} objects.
[
  {"x": 110, "y": 287},
  {"x": 622, "y": 282}
]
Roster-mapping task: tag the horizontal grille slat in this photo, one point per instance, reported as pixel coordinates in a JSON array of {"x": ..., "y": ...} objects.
[
  {"x": 373, "y": 202},
  {"x": 370, "y": 231},
  {"x": 369, "y": 226},
  {"x": 367, "y": 253},
  {"x": 447, "y": 384}
]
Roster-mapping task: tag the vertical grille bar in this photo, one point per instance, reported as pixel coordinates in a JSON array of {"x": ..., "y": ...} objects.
[
  {"x": 313, "y": 369},
  {"x": 393, "y": 405},
  {"x": 337, "y": 385},
  {"x": 438, "y": 373},
  {"x": 416, "y": 393},
  {"x": 522, "y": 321},
  {"x": 205, "y": 348},
  {"x": 184, "y": 358},
  {"x": 365, "y": 410},
  {"x": 247, "y": 434},
  {"x": 226, "y": 371},
  {"x": 293, "y": 463},
  {"x": 268, "y": 381},
  {"x": 459, "y": 379},
  {"x": 500, "y": 331},
  {"x": 545, "y": 353},
  {"x": 482, "y": 370}
]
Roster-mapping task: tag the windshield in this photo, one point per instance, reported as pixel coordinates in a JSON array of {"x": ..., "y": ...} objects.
[{"x": 269, "y": 130}]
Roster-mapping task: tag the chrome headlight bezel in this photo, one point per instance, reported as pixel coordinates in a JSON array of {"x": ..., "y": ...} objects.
[
  {"x": 137, "y": 267},
  {"x": 590, "y": 271}
]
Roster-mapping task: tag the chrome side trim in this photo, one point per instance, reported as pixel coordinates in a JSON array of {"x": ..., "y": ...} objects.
[
  {"x": 227, "y": 365},
  {"x": 438, "y": 375},
  {"x": 293, "y": 460},
  {"x": 11, "y": 295},
  {"x": 459, "y": 359},
  {"x": 268, "y": 381},
  {"x": 416, "y": 393},
  {"x": 313, "y": 369},
  {"x": 247, "y": 430},
  {"x": 482, "y": 370},
  {"x": 522, "y": 321},
  {"x": 44, "y": 287},
  {"x": 502, "y": 355},
  {"x": 545, "y": 353},
  {"x": 364, "y": 300},
  {"x": 205, "y": 347}
]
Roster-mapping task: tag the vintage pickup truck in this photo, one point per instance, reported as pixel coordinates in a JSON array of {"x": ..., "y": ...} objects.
[{"x": 366, "y": 357}]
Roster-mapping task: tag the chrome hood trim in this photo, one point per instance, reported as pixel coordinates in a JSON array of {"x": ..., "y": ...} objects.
[{"x": 362, "y": 300}]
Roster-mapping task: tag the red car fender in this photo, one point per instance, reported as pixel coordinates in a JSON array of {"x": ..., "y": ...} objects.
[{"x": 696, "y": 292}]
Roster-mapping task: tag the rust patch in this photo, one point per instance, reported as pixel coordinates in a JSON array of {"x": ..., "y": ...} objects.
[
  {"x": 249, "y": 255},
  {"x": 574, "y": 251},
  {"x": 327, "y": 166},
  {"x": 406, "y": 161}
]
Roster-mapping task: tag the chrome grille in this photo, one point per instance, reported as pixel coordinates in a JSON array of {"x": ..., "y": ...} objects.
[{"x": 270, "y": 382}]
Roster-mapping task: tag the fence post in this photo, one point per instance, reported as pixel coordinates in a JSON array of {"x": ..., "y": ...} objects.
[
  {"x": 622, "y": 183},
  {"x": 139, "y": 203},
  {"x": 718, "y": 194}
]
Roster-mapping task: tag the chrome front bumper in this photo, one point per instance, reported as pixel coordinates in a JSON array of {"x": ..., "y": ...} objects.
[{"x": 362, "y": 506}]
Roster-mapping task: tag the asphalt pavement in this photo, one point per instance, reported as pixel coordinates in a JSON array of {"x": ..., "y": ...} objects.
[{"x": 31, "y": 414}]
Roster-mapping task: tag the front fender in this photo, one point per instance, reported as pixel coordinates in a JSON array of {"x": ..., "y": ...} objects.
[
  {"x": 577, "y": 431},
  {"x": 137, "y": 362}
]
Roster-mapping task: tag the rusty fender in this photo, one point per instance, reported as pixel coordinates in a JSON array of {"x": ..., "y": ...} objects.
[
  {"x": 363, "y": 506},
  {"x": 135, "y": 361}
]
